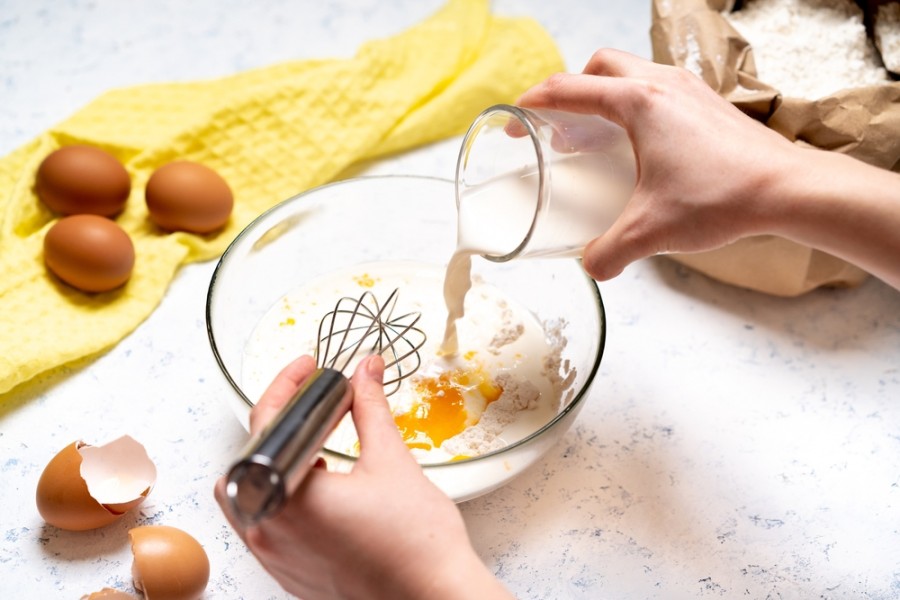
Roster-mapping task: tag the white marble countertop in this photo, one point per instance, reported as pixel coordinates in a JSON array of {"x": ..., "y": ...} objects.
[{"x": 734, "y": 445}]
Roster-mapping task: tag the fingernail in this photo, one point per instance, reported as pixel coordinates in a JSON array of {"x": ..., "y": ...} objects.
[{"x": 375, "y": 365}]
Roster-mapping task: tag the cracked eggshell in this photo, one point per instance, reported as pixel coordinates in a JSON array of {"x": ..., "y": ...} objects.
[
  {"x": 84, "y": 487},
  {"x": 169, "y": 564}
]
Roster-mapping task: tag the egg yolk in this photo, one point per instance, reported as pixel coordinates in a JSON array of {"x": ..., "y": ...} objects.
[
  {"x": 440, "y": 412},
  {"x": 365, "y": 280}
]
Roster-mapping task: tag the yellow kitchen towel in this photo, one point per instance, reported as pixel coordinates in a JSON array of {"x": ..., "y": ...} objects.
[{"x": 271, "y": 133}]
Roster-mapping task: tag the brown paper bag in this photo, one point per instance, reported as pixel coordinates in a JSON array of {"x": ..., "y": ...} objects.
[{"x": 861, "y": 122}]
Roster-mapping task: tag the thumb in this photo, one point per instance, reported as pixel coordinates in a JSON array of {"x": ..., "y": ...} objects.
[
  {"x": 626, "y": 241},
  {"x": 280, "y": 391},
  {"x": 378, "y": 436}
]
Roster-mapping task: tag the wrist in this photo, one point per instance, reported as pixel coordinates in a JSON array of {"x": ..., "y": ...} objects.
[
  {"x": 461, "y": 576},
  {"x": 781, "y": 190},
  {"x": 816, "y": 191},
  {"x": 841, "y": 206}
]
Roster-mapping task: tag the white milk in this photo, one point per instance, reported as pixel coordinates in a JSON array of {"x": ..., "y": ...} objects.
[
  {"x": 495, "y": 216},
  {"x": 587, "y": 194},
  {"x": 500, "y": 343}
]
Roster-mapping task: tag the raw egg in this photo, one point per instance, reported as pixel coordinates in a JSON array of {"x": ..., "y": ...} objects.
[
  {"x": 442, "y": 409},
  {"x": 82, "y": 179},
  {"x": 89, "y": 252},
  {"x": 84, "y": 487},
  {"x": 169, "y": 564},
  {"x": 188, "y": 196}
]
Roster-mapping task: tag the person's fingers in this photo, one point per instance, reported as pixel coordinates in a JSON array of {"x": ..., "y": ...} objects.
[
  {"x": 222, "y": 499},
  {"x": 604, "y": 257},
  {"x": 574, "y": 92},
  {"x": 610, "y": 97},
  {"x": 318, "y": 471},
  {"x": 280, "y": 391},
  {"x": 372, "y": 415},
  {"x": 625, "y": 242},
  {"x": 515, "y": 128},
  {"x": 617, "y": 63}
]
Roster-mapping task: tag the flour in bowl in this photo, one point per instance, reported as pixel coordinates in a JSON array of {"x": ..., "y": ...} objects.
[{"x": 505, "y": 382}]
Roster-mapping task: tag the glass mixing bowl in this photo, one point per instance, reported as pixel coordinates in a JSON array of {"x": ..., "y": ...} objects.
[{"x": 397, "y": 218}]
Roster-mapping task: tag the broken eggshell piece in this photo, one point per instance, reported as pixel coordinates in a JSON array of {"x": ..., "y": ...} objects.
[
  {"x": 169, "y": 564},
  {"x": 84, "y": 487}
]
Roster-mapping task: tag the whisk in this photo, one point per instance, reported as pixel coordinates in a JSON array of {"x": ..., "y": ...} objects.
[{"x": 275, "y": 462}]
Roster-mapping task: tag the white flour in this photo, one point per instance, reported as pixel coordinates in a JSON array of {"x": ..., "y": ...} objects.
[
  {"x": 689, "y": 54},
  {"x": 809, "y": 48},
  {"x": 509, "y": 332},
  {"x": 518, "y": 395},
  {"x": 506, "y": 373},
  {"x": 887, "y": 34}
]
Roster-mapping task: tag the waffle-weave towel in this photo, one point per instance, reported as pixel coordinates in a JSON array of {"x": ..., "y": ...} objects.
[{"x": 271, "y": 133}]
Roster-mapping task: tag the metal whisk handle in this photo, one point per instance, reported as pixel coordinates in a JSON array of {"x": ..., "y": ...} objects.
[{"x": 275, "y": 462}]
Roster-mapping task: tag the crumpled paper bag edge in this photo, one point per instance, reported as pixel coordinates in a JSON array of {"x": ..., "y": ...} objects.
[{"x": 704, "y": 30}]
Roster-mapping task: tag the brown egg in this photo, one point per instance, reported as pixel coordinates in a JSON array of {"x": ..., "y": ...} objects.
[
  {"x": 109, "y": 594},
  {"x": 188, "y": 196},
  {"x": 168, "y": 563},
  {"x": 82, "y": 180},
  {"x": 89, "y": 252},
  {"x": 84, "y": 487}
]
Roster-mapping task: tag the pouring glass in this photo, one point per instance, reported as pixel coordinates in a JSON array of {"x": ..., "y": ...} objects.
[{"x": 539, "y": 183}]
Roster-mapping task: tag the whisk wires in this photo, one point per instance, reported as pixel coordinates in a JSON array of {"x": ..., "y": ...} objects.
[{"x": 365, "y": 325}]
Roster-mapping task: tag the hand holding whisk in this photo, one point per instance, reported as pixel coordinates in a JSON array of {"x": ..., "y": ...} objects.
[{"x": 275, "y": 462}]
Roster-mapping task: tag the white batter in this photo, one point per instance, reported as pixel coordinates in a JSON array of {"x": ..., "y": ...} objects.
[{"x": 502, "y": 384}]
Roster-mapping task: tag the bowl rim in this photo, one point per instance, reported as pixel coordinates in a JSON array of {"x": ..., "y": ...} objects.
[{"x": 574, "y": 404}]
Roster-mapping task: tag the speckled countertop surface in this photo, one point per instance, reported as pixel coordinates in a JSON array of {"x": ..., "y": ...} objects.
[{"x": 734, "y": 445}]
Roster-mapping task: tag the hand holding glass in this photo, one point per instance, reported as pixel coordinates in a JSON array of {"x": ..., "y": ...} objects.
[{"x": 540, "y": 183}]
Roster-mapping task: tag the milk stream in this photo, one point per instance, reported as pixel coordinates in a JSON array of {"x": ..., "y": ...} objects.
[
  {"x": 457, "y": 282},
  {"x": 588, "y": 192}
]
